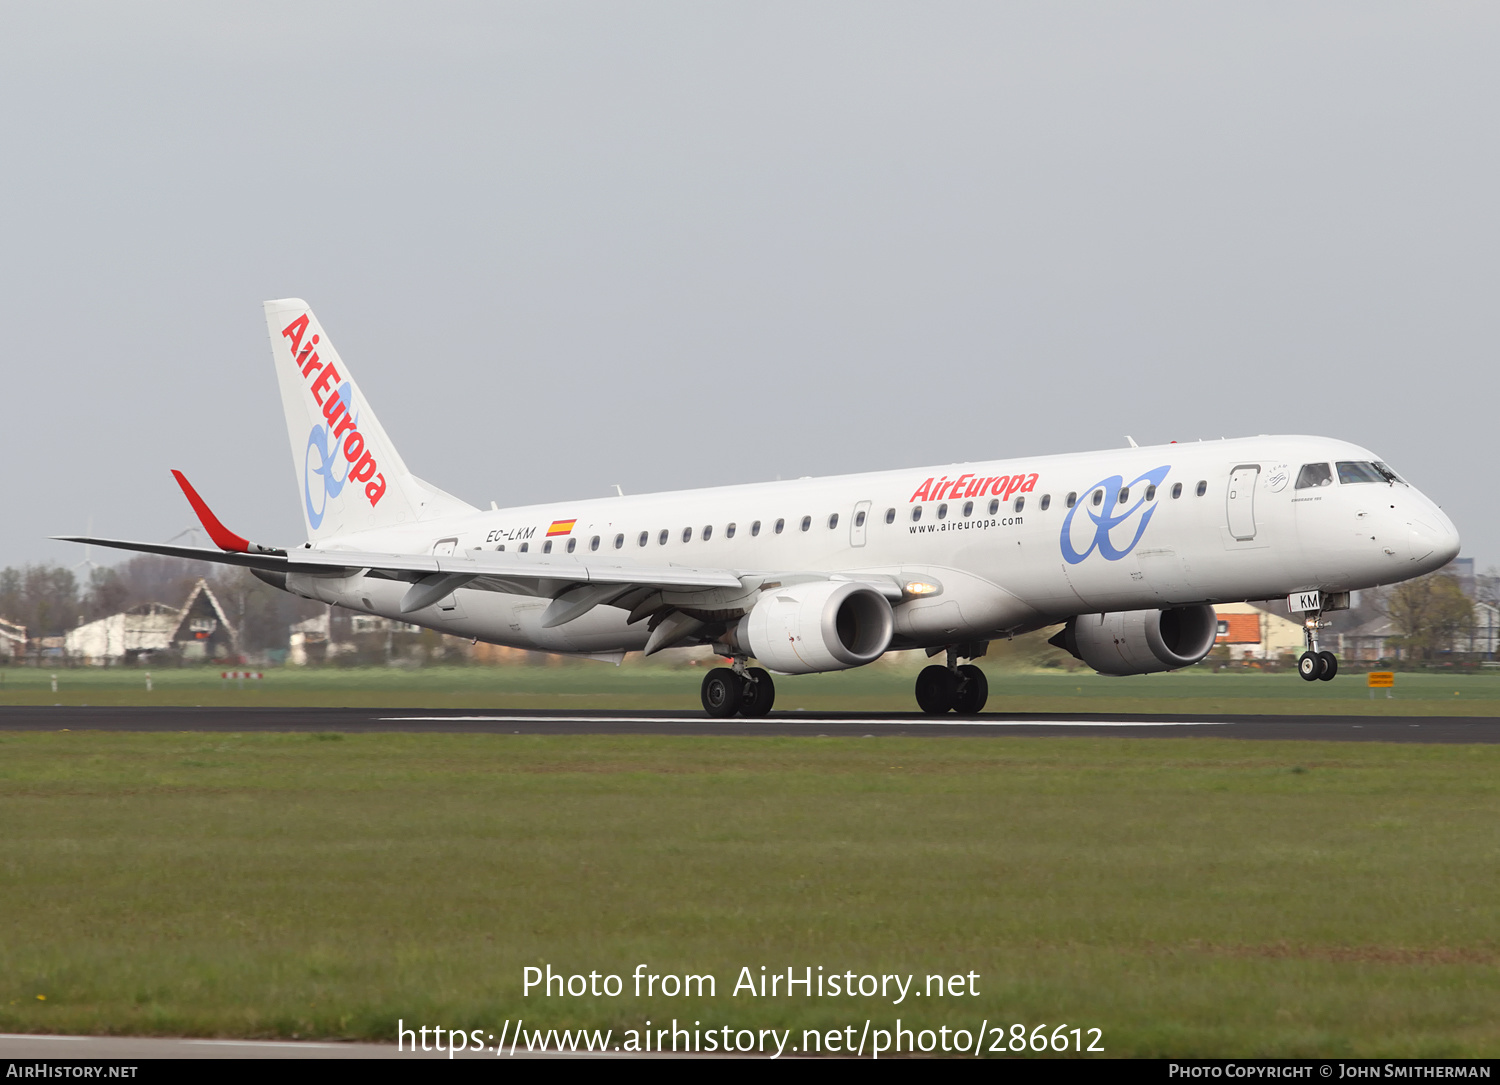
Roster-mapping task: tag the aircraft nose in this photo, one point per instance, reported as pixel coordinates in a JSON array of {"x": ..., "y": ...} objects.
[{"x": 1432, "y": 539}]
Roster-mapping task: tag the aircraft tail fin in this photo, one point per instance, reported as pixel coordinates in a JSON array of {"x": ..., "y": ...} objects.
[{"x": 349, "y": 473}]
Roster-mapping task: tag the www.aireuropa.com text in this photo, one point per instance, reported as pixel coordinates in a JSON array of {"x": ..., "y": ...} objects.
[{"x": 859, "y": 1040}]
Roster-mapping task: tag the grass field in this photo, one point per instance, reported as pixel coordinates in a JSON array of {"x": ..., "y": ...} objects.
[
  {"x": 587, "y": 684},
  {"x": 1194, "y": 896}
]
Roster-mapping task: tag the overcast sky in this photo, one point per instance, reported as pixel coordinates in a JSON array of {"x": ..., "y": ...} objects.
[{"x": 563, "y": 246}]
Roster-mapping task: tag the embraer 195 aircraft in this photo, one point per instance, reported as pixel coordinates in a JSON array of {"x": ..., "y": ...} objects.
[{"x": 1127, "y": 549}]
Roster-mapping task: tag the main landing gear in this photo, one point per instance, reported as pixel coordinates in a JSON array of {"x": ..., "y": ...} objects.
[
  {"x": 954, "y": 688},
  {"x": 1313, "y": 665},
  {"x": 747, "y": 691}
]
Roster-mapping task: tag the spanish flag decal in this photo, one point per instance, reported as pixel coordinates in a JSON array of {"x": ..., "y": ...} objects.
[{"x": 561, "y": 527}]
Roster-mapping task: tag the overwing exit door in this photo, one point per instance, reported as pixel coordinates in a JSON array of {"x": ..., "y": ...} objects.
[{"x": 858, "y": 523}]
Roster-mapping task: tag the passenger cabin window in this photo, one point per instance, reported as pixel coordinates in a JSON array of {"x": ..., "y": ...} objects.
[
  {"x": 729, "y": 531},
  {"x": 1314, "y": 474},
  {"x": 661, "y": 540},
  {"x": 572, "y": 545},
  {"x": 1072, "y": 497},
  {"x": 501, "y": 547},
  {"x": 1020, "y": 503},
  {"x": 859, "y": 518},
  {"x": 708, "y": 530},
  {"x": 833, "y": 521},
  {"x": 968, "y": 508},
  {"x": 1124, "y": 494},
  {"x": 1151, "y": 492},
  {"x": 594, "y": 543},
  {"x": 780, "y": 524},
  {"x": 1352, "y": 471},
  {"x": 525, "y": 547},
  {"x": 1046, "y": 502},
  {"x": 1176, "y": 490},
  {"x": 943, "y": 511},
  {"x": 890, "y": 516},
  {"x": 645, "y": 537},
  {"x": 1098, "y": 498},
  {"x": 994, "y": 506},
  {"x": 806, "y": 522},
  {"x": 619, "y": 541},
  {"x": 755, "y": 529},
  {"x": 916, "y": 513},
  {"x": 687, "y": 534},
  {"x": 546, "y": 546},
  {"x": 1202, "y": 487}
]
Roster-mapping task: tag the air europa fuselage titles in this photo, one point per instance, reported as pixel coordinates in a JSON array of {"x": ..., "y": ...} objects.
[{"x": 1126, "y": 550}]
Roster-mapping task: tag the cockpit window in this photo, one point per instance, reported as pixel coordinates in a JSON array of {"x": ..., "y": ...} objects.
[
  {"x": 1388, "y": 474},
  {"x": 1356, "y": 471},
  {"x": 1314, "y": 474}
]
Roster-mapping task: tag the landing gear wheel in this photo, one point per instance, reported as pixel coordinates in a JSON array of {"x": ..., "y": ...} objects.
[
  {"x": 759, "y": 694},
  {"x": 973, "y": 690},
  {"x": 936, "y": 690},
  {"x": 1309, "y": 666},
  {"x": 723, "y": 690},
  {"x": 1329, "y": 666}
]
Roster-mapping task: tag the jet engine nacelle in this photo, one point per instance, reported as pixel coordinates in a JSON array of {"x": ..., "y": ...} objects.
[
  {"x": 1141, "y": 641},
  {"x": 827, "y": 625}
]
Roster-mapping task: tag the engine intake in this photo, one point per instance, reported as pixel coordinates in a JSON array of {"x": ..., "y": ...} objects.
[
  {"x": 827, "y": 625},
  {"x": 1140, "y": 641}
]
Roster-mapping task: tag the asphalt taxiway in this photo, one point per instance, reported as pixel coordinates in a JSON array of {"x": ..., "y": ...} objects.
[{"x": 1439, "y": 729}]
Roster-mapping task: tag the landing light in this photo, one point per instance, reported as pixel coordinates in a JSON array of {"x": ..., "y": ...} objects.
[{"x": 918, "y": 587}]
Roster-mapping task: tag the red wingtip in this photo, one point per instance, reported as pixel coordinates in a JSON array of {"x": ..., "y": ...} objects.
[{"x": 223, "y": 538}]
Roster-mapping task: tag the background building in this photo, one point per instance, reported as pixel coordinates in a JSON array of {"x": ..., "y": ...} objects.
[
  {"x": 1252, "y": 633},
  {"x": 12, "y": 639},
  {"x": 197, "y": 630}
]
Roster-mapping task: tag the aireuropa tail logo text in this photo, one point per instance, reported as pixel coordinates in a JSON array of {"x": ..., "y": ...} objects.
[{"x": 340, "y": 439}]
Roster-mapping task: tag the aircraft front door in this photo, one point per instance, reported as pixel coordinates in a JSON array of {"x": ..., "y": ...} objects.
[{"x": 1242, "y": 501}]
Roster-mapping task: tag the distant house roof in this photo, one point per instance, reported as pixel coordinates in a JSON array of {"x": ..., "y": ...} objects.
[
  {"x": 152, "y": 627},
  {"x": 201, "y": 616},
  {"x": 1238, "y": 629}
]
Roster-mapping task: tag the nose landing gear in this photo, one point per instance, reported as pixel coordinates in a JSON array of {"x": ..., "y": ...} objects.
[
  {"x": 961, "y": 689},
  {"x": 1313, "y": 665},
  {"x": 747, "y": 691}
]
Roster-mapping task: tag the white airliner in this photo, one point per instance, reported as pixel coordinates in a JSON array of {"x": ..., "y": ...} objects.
[{"x": 1127, "y": 549}]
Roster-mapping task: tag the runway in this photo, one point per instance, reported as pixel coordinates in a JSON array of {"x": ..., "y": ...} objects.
[{"x": 1429, "y": 729}]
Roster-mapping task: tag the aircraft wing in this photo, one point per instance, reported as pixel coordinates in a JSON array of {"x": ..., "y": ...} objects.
[
  {"x": 260, "y": 560},
  {"x": 471, "y": 564},
  {"x": 666, "y": 594}
]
